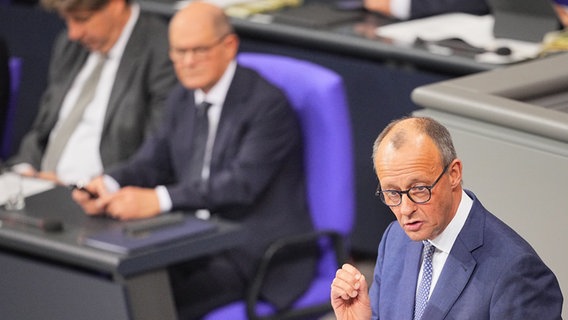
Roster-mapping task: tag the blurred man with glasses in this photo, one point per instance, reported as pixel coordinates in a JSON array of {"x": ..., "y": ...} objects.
[
  {"x": 250, "y": 168},
  {"x": 76, "y": 138},
  {"x": 478, "y": 268}
]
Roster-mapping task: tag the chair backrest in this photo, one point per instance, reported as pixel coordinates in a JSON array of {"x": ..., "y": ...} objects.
[
  {"x": 318, "y": 96},
  {"x": 15, "y": 68}
]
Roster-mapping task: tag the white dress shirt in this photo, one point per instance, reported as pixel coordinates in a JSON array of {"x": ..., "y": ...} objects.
[
  {"x": 215, "y": 96},
  {"x": 400, "y": 9},
  {"x": 445, "y": 240},
  {"x": 80, "y": 160}
]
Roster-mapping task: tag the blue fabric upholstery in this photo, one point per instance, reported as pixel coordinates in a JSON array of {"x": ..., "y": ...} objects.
[
  {"x": 318, "y": 96},
  {"x": 15, "y": 76}
]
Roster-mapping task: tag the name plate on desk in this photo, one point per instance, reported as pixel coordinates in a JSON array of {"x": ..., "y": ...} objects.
[{"x": 134, "y": 236}]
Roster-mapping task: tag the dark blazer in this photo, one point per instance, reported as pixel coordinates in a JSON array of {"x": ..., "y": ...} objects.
[
  {"x": 144, "y": 78},
  {"x": 491, "y": 273},
  {"x": 256, "y": 176},
  {"x": 4, "y": 86},
  {"x": 423, "y": 8}
]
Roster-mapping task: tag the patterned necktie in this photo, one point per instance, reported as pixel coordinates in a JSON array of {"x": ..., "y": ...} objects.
[
  {"x": 424, "y": 287},
  {"x": 200, "y": 134},
  {"x": 57, "y": 144}
]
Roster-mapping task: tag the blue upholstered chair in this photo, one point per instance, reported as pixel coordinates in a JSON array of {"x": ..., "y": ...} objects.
[
  {"x": 15, "y": 68},
  {"x": 318, "y": 96}
]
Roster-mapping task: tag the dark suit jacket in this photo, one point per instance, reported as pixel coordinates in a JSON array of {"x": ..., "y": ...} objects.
[
  {"x": 256, "y": 175},
  {"x": 491, "y": 273},
  {"x": 423, "y": 8},
  {"x": 143, "y": 80},
  {"x": 4, "y": 86}
]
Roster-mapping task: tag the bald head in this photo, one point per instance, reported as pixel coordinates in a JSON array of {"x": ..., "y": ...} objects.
[
  {"x": 199, "y": 16},
  {"x": 413, "y": 153},
  {"x": 202, "y": 45},
  {"x": 413, "y": 131}
]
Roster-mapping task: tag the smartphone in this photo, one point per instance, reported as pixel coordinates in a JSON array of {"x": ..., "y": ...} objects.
[{"x": 83, "y": 189}]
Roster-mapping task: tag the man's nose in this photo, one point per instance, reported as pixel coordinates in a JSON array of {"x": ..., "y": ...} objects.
[
  {"x": 188, "y": 58},
  {"x": 74, "y": 30},
  {"x": 406, "y": 206}
]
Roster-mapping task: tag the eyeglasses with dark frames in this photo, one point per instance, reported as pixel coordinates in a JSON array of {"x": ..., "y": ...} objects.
[
  {"x": 417, "y": 194},
  {"x": 198, "y": 53}
]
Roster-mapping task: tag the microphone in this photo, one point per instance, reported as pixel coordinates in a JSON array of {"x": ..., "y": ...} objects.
[
  {"x": 44, "y": 224},
  {"x": 460, "y": 45},
  {"x": 503, "y": 51}
]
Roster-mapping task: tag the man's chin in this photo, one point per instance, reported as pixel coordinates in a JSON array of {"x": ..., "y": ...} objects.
[
  {"x": 91, "y": 47},
  {"x": 416, "y": 232},
  {"x": 192, "y": 85}
]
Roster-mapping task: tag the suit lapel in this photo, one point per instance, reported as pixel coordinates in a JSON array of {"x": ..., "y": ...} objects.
[
  {"x": 126, "y": 69},
  {"x": 404, "y": 308},
  {"x": 230, "y": 113},
  {"x": 75, "y": 59},
  {"x": 182, "y": 127},
  {"x": 455, "y": 276},
  {"x": 459, "y": 267}
]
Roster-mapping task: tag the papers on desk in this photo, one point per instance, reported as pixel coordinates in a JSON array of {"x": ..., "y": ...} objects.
[
  {"x": 475, "y": 30},
  {"x": 220, "y": 3},
  {"x": 30, "y": 186},
  {"x": 246, "y": 8}
]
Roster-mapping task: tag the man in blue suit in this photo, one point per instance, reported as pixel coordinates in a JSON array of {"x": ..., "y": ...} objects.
[
  {"x": 480, "y": 268},
  {"x": 251, "y": 171}
]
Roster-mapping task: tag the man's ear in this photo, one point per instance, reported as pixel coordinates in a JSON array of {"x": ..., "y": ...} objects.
[
  {"x": 232, "y": 44},
  {"x": 455, "y": 172}
]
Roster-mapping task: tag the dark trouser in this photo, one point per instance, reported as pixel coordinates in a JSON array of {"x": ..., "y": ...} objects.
[{"x": 202, "y": 285}]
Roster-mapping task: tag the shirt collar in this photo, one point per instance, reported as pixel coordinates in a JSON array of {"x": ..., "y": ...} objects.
[
  {"x": 445, "y": 240},
  {"x": 118, "y": 49},
  {"x": 217, "y": 94}
]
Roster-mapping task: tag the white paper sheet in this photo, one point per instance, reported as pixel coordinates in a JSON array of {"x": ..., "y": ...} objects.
[
  {"x": 29, "y": 186},
  {"x": 475, "y": 30}
]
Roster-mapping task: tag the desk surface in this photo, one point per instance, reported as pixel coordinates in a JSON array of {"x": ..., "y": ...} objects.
[
  {"x": 379, "y": 78},
  {"x": 534, "y": 104},
  {"x": 356, "y": 39},
  {"x": 67, "y": 246}
]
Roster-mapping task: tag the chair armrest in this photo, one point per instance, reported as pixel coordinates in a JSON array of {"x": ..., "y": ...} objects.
[{"x": 253, "y": 293}]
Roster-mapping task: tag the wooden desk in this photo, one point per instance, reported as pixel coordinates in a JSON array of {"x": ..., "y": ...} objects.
[{"x": 54, "y": 276}]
